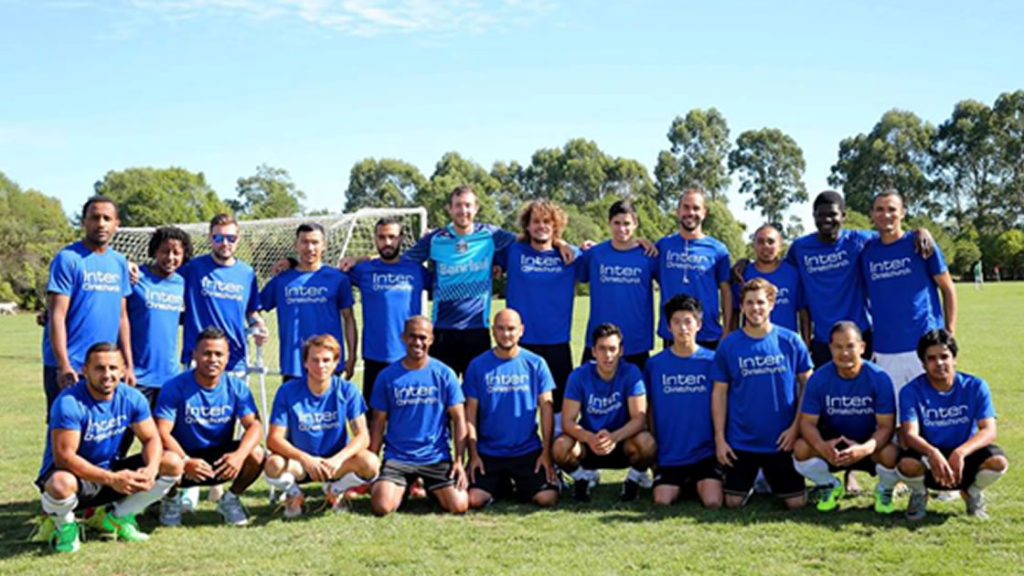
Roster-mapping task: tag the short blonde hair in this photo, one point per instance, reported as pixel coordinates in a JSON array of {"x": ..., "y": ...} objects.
[
  {"x": 759, "y": 284},
  {"x": 321, "y": 341}
]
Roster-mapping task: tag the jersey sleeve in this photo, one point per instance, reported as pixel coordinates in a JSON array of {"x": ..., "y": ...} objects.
[
  {"x": 268, "y": 299},
  {"x": 66, "y": 413},
  {"x": 279, "y": 409},
  {"x": 908, "y": 404},
  {"x": 720, "y": 366},
  {"x": 63, "y": 277},
  {"x": 984, "y": 409},
  {"x": 503, "y": 238},
  {"x": 545, "y": 382},
  {"x": 167, "y": 403},
  {"x": 583, "y": 266},
  {"x": 812, "y": 397},
  {"x": 356, "y": 274},
  {"x": 937, "y": 262},
  {"x": 635, "y": 381},
  {"x": 253, "y": 304},
  {"x": 885, "y": 397},
  {"x": 574, "y": 387},
  {"x": 355, "y": 406},
  {"x": 420, "y": 252},
  {"x": 126, "y": 282},
  {"x": 139, "y": 407},
  {"x": 345, "y": 298},
  {"x": 452, "y": 391},
  {"x": 469, "y": 380},
  {"x": 245, "y": 404},
  {"x": 722, "y": 271},
  {"x": 501, "y": 257},
  {"x": 381, "y": 393},
  {"x": 802, "y": 355}
]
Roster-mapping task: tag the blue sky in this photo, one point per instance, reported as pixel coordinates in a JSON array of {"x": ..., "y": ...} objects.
[{"x": 313, "y": 86}]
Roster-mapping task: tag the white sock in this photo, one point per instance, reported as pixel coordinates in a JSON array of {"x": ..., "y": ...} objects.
[
  {"x": 558, "y": 424},
  {"x": 636, "y": 475},
  {"x": 915, "y": 483},
  {"x": 285, "y": 483},
  {"x": 816, "y": 470},
  {"x": 137, "y": 502},
  {"x": 350, "y": 480},
  {"x": 984, "y": 479},
  {"x": 581, "y": 474},
  {"x": 887, "y": 477},
  {"x": 63, "y": 511}
]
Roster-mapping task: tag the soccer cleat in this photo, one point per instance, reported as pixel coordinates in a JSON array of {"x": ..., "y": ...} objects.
[
  {"x": 189, "y": 499},
  {"x": 121, "y": 527},
  {"x": 230, "y": 507},
  {"x": 336, "y": 502},
  {"x": 830, "y": 499},
  {"x": 630, "y": 491},
  {"x": 946, "y": 495},
  {"x": 417, "y": 490},
  {"x": 883, "y": 501},
  {"x": 44, "y": 530},
  {"x": 917, "y": 507},
  {"x": 581, "y": 490},
  {"x": 293, "y": 505},
  {"x": 66, "y": 537},
  {"x": 215, "y": 493},
  {"x": 644, "y": 480},
  {"x": 976, "y": 506},
  {"x": 170, "y": 510}
]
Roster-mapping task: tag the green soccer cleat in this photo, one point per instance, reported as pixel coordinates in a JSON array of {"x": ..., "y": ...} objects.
[
  {"x": 883, "y": 501},
  {"x": 830, "y": 498},
  {"x": 44, "y": 530},
  {"x": 65, "y": 538},
  {"x": 121, "y": 527}
]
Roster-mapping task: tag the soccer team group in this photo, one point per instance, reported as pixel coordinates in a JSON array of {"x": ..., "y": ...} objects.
[{"x": 763, "y": 379}]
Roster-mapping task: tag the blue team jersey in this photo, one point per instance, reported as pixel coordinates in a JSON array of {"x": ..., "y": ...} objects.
[
  {"x": 847, "y": 407},
  {"x": 462, "y": 273},
  {"x": 621, "y": 292},
  {"x": 790, "y": 297},
  {"x": 604, "y": 405},
  {"x": 946, "y": 419},
  {"x": 95, "y": 285},
  {"x": 154, "y": 312},
  {"x": 417, "y": 403},
  {"x": 308, "y": 304},
  {"x": 507, "y": 391},
  {"x": 102, "y": 424},
  {"x": 763, "y": 386},
  {"x": 317, "y": 424},
  {"x": 542, "y": 288},
  {"x": 219, "y": 296},
  {"x": 831, "y": 279},
  {"x": 695, "y": 268},
  {"x": 203, "y": 417},
  {"x": 902, "y": 291},
  {"x": 391, "y": 294},
  {"x": 679, "y": 392}
]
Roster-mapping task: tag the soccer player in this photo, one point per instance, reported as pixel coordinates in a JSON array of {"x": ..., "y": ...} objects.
[
  {"x": 81, "y": 468},
  {"x": 391, "y": 290},
  {"x": 948, "y": 425},
  {"x": 308, "y": 436},
  {"x": 693, "y": 263},
  {"x": 759, "y": 374},
  {"x": 308, "y": 299},
  {"x": 196, "y": 414},
  {"x": 903, "y": 289},
  {"x": 86, "y": 295},
  {"x": 608, "y": 398},
  {"x": 506, "y": 389},
  {"x": 847, "y": 420},
  {"x": 680, "y": 398},
  {"x": 790, "y": 309},
  {"x": 413, "y": 401}
]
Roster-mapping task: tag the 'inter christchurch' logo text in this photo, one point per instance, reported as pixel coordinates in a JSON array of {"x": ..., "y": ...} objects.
[
  {"x": 684, "y": 260},
  {"x": 608, "y": 273},
  {"x": 684, "y": 383},
  {"x": 825, "y": 262},
  {"x": 849, "y": 405},
  {"x": 887, "y": 269},
  {"x": 604, "y": 405},
  {"x": 208, "y": 415},
  {"x": 157, "y": 300},
  {"x": 306, "y": 294},
  {"x": 499, "y": 383},
  {"x": 946, "y": 415},
  {"x": 384, "y": 281},
  {"x": 100, "y": 430},
  {"x": 101, "y": 281},
  {"x": 756, "y": 365},
  {"x": 409, "y": 395},
  {"x": 313, "y": 421},
  {"x": 542, "y": 264},
  {"x": 224, "y": 290}
]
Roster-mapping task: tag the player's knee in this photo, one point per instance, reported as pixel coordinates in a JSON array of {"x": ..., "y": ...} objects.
[
  {"x": 457, "y": 502},
  {"x": 275, "y": 465},
  {"x": 479, "y": 498},
  {"x": 712, "y": 501},
  {"x": 546, "y": 498},
  {"x": 911, "y": 467},
  {"x": 563, "y": 450},
  {"x": 664, "y": 495},
  {"x": 794, "y": 502},
  {"x": 171, "y": 464},
  {"x": 996, "y": 463},
  {"x": 367, "y": 464},
  {"x": 383, "y": 503},
  {"x": 62, "y": 485},
  {"x": 887, "y": 455},
  {"x": 256, "y": 456},
  {"x": 802, "y": 450},
  {"x": 732, "y": 501},
  {"x": 710, "y": 492}
]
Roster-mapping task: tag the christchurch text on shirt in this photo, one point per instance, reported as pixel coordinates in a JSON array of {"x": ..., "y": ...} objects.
[
  {"x": 543, "y": 264},
  {"x": 849, "y": 405},
  {"x": 313, "y": 421},
  {"x": 408, "y": 395},
  {"x": 306, "y": 294},
  {"x": 762, "y": 364},
  {"x": 604, "y": 404},
  {"x": 499, "y": 383},
  {"x": 157, "y": 300},
  {"x": 688, "y": 261},
  {"x": 224, "y": 290},
  {"x": 825, "y": 262},
  {"x": 885, "y": 269},
  {"x": 384, "y": 281},
  {"x": 100, "y": 430},
  {"x": 101, "y": 281},
  {"x": 684, "y": 383},
  {"x": 609, "y": 273},
  {"x": 208, "y": 415},
  {"x": 946, "y": 415}
]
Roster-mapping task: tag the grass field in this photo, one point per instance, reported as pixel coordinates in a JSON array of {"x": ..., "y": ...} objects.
[{"x": 603, "y": 537}]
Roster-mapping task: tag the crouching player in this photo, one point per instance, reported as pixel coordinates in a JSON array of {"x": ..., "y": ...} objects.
[
  {"x": 308, "y": 439},
  {"x": 81, "y": 468},
  {"x": 847, "y": 421},
  {"x": 948, "y": 426},
  {"x": 609, "y": 398}
]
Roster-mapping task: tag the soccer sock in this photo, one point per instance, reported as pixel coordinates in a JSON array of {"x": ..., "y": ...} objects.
[
  {"x": 635, "y": 475},
  {"x": 63, "y": 511},
  {"x": 887, "y": 477},
  {"x": 285, "y": 483},
  {"x": 558, "y": 424},
  {"x": 984, "y": 479},
  {"x": 916, "y": 483},
  {"x": 137, "y": 502},
  {"x": 581, "y": 474},
  {"x": 815, "y": 470},
  {"x": 350, "y": 480}
]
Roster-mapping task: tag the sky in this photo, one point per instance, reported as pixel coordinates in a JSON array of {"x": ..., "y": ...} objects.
[{"x": 314, "y": 86}]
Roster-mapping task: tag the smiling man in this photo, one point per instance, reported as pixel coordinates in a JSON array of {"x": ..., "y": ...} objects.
[{"x": 790, "y": 310}]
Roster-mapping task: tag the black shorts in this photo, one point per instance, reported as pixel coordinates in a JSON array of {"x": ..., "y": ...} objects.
[
  {"x": 686, "y": 477},
  {"x": 639, "y": 360},
  {"x": 972, "y": 464},
  {"x": 616, "y": 460},
  {"x": 435, "y": 476},
  {"x": 519, "y": 470},
  {"x": 778, "y": 469},
  {"x": 559, "y": 359},
  {"x": 821, "y": 354},
  {"x": 211, "y": 455},
  {"x": 456, "y": 348},
  {"x": 92, "y": 494},
  {"x": 371, "y": 368}
]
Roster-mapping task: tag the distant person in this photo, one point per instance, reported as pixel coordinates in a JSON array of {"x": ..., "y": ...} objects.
[{"x": 977, "y": 271}]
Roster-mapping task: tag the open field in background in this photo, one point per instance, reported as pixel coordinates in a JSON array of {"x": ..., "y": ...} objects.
[{"x": 604, "y": 537}]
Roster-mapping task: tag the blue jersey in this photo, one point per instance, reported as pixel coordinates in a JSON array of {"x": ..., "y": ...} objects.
[
  {"x": 903, "y": 294},
  {"x": 102, "y": 424},
  {"x": 604, "y": 405},
  {"x": 763, "y": 386},
  {"x": 417, "y": 403},
  {"x": 391, "y": 294},
  {"x": 831, "y": 279},
  {"x": 695, "y": 268},
  {"x": 847, "y": 407},
  {"x": 790, "y": 297},
  {"x": 507, "y": 391},
  {"x": 679, "y": 392},
  {"x": 316, "y": 424},
  {"x": 946, "y": 419},
  {"x": 307, "y": 304},
  {"x": 219, "y": 296},
  {"x": 95, "y": 284},
  {"x": 203, "y": 417},
  {"x": 621, "y": 292},
  {"x": 542, "y": 288},
  {"x": 462, "y": 273},
  {"x": 154, "y": 312}
]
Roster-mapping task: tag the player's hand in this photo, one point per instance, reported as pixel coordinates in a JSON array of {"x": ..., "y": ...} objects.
[
  {"x": 724, "y": 453},
  {"x": 829, "y": 453},
  {"x": 129, "y": 482},
  {"x": 587, "y": 245},
  {"x": 924, "y": 243},
  {"x": 601, "y": 443},
  {"x": 736, "y": 272},
  {"x": 42, "y": 317},
  {"x": 788, "y": 437},
  {"x": 129, "y": 377},
  {"x": 346, "y": 264},
  {"x": 147, "y": 476},
  {"x": 334, "y": 465},
  {"x": 459, "y": 474},
  {"x": 133, "y": 272},
  {"x": 544, "y": 461},
  {"x": 66, "y": 378},
  {"x": 941, "y": 469},
  {"x": 316, "y": 468},
  {"x": 229, "y": 465},
  {"x": 956, "y": 464},
  {"x": 475, "y": 463},
  {"x": 259, "y": 332},
  {"x": 852, "y": 454},
  {"x": 281, "y": 265},
  {"x": 198, "y": 469},
  {"x": 649, "y": 248},
  {"x": 567, "y": 253},
  {"x": 350, "y": 367}
]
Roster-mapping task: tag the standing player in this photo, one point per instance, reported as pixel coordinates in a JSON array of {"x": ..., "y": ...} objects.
[
  {"x": 680, "y": 395},
  {"x": 759, "y": 373},
  {"x": 308, "y": 436},
  {"x": 308, "y": 299},
  {"x": 86, "y": 295},
  {"x": 506, "y": 389},
  {"x": 847, "y": 420},
  {"x": 80, "y": 466},
  {"x": 607, "y": 395},
  {"x": 196, "y": 414},
  {"x": 790, "y": 309},
  {"x": 413, "y": 401},
  {"x": 948, "y": 425}
]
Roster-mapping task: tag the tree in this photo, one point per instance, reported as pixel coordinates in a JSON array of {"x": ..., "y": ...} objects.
[
  {"x": 1008, "y": 120},
  {"x": 700, "y": 146},
  {"x": 580, "y": 173},
  {"x": 270, "y": 193},
  {"x": 771, "y": 167},
  {"x": 159, "y": 196},
  {"x": 384, "y": 183},
  {"x": 1008, "y": 254},
  {"x": 511, "y": 194},
  {"x": 966, "y": 167},
  {"x": 721, "y": 224}
]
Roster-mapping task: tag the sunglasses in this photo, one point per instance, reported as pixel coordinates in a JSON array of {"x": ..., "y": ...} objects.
[{"x": 221, "y": 238}]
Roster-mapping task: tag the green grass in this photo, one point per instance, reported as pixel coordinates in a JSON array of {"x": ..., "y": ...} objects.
[{"x": 603, "y": 537}]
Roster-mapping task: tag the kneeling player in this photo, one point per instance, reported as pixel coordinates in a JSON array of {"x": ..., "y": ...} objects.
[
  {"x": 680, "y": 393},
  {"x": 308, "y": 439},
  {"x": 413, "y": 400},
  {"x": 847, "y": 421},
  {"x": 80, "y": 466},
  {"x": 505, "y": 389},
  {"x": 609, "y": 398},
  {"x": 948, "y": 426}
]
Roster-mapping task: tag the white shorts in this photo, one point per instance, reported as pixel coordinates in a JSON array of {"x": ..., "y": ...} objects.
[{"x": 901, "y": 368}]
